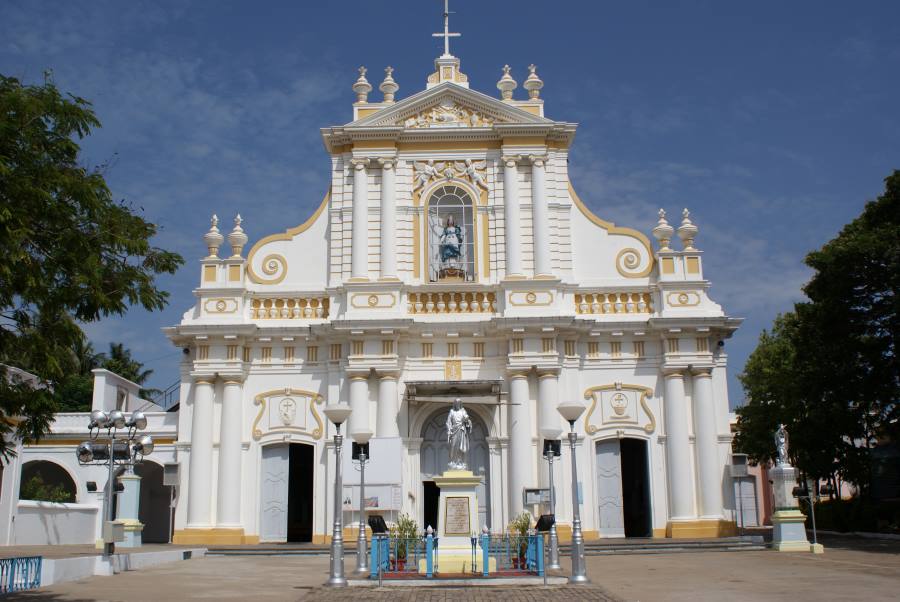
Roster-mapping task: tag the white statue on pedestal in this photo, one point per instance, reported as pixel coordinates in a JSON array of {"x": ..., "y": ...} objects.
[
  {"x": 781, "y": 446},
  {"x": 459, "y": 425}
]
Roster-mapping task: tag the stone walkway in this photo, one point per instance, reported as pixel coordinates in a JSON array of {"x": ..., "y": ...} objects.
[{"x": 453, "y": 594}]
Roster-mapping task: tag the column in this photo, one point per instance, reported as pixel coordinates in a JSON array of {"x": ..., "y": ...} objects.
[
  {"x": 359, "y": 403},
  {"x": 539, "y": 218},
  {"x": 200, "y": 476},
  {"x": 520, "y": 450},
  {"x": 678, "y": 453},
  {"x": 228, "y": 496},
  {"x": 548, "y": 400},
  {"x": 359, "y": 249},
  {"x": 386, "y": 426},
  {"x": 706, "y": 443},
  {"x": 511, "y": 217},
  {"x": 388, "y": 220},
  {"x": 128, "y": 507}
]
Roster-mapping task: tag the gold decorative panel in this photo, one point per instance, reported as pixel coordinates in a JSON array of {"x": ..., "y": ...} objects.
[
  {"x": 220, "y": 306},
  {"x": 531, "y": 298},
  {"x": 618, "y": 404},
  {"x": 373, "y": 300},
  {"x": 288, "y": 410},
  {"x": 683, "y": 299}
]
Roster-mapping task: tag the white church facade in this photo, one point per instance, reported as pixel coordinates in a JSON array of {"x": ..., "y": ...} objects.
[{"x": 452, "y": 257}]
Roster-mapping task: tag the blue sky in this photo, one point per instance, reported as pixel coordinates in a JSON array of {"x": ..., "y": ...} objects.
[{"x": 772, "y": 121}]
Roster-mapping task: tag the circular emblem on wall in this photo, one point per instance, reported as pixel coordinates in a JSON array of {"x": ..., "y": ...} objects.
[
  {"x": 683, "y": 299},
  {"x": 220, "y": 305},
  {"x": 531, "y": 298},
  {"x": 287, "y": 409},
  {"x": 373, "y": 300},
  {"x": 619, "y": 403}
]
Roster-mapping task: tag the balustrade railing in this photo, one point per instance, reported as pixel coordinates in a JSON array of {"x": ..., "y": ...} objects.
[
  {"x": 451, "y": 303},
  {"x": 19, "y": 574},
  {"x": 289, "y": 308},
  {"x": 613, "y": 303}
]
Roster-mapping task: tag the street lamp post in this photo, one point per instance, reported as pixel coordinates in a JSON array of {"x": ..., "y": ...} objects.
[
  {"x": 551, "y": 449},
  {"x": 337, "y": 414},
  {"x": 362, "y": 440},
  {"x": 571, "y": 410}
]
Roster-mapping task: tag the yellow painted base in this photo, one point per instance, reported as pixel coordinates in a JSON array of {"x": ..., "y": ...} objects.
[
  {"x": 564, "y": 534},
  {"x": 223, "y": 537},
  {"x": 659, "y": 533},
  {"x": 459, "y": 563},
  {"x": 700, "y": 528}
]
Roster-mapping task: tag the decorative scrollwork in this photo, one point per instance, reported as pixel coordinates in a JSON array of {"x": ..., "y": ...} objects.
[
  {"x": 273, "y": 265},
  {"x": 448, "y": 114},
  {"x": 593, "y": 394},
  {"x": 628, "y": 260}
]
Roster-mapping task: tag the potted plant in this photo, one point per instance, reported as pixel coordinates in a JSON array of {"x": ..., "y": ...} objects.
[
  {"x": 405, "y": 530},
  {"x": 518, "y": 531}
]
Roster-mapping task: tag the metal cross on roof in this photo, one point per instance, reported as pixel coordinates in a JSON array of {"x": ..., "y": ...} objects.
[{"x": 446, "y": 34}]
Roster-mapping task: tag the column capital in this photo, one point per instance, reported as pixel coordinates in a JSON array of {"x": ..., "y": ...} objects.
[
  {"x": 548, "y": 374},
  {"x": 537, "y": 160},
  {"x": 518, "y": 375},
  {"x": 674, "y": 372},
  {"x": 387, "y": 376},
  {"x": 358, "y": 376},
  {"x": 387, "y": 163},
  {"x": 702, "y": 372},
  {"x": 233, "y": 380},
  {"x": 359, "y": 163},
  {"x": 204, "y": 379},
  {"x": 510, "y": 160}
]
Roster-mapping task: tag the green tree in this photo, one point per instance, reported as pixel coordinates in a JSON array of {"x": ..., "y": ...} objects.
[
  {"x": 829, "y": 369},
  {"x": 120, "y": 361},
  {"x": 69, "y": 252}
]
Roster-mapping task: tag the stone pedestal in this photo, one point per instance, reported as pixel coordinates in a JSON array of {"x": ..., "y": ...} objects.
[
  {"x": 457, "y": 521},
  {"x": 128, "y": 505},
  {"x": 788, "y": 522}
]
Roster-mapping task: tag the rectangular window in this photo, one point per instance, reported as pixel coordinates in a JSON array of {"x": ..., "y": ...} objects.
[
  {"x": 593, "y": 349},
  {"x": 571, "y": 349},
  {"x": 673, "y": 345},
  {"x": 479, "y": 350},
  {"x": 288, "y": 355},
  {"x": 387, "y": 347},
  {"x": 358, "y": 348},
  {"x": 615, "y": 349},
  {"x": 518, "y": 345},
  {"x": 426, "y": 349},
  {"x": 312, "y": 353},
  {"x": 267, "y": 354},
  {"x": 336, "y": 352},
  {"x": 548, "y": 345},
  {"x": 702, "y": 344},
  {"x": 203, "y": 352},
  {"x": 452, "y": 349},
  {"x": 639, "y": 349},
  {"x": 231, "y": 352},
  {"x": 246, "y": 354}
]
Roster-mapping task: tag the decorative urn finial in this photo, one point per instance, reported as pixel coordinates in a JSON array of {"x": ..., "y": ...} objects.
[
  {"x": 663, "y": 231},
  {"x": 687, "y": 231},
  {"x": 236, "y": 238},
  {"x": 213, "y": 238},
  {"x": 534, "y": 83},
  {"x": 362, "y": 87},
  {"x": 389, "y": 87},
  {"x": 507, "y": 84}
]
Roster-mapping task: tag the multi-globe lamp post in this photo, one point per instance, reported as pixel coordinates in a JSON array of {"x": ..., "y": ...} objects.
[
  {"x": 337, "y": 414},
  {"x": 571, "y": 411},
  {"x": 551, "y": 449},
  {"x": 361, "y": 440},
  {"x": 117, "y": 450}
]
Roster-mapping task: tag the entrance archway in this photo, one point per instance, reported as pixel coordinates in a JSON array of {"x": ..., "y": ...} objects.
[
  {"x": 623, "y": 488},
  {"x": 287, "y": 492},
  {"x": 154, "y": 505},
  {"x": 435, "y": 454}
]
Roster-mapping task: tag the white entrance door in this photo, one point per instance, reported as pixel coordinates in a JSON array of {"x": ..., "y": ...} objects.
[
  {"x": 609, "y": 488},
  {"x": 276, "y": 460},
  {"x": 745, "y": 501}
]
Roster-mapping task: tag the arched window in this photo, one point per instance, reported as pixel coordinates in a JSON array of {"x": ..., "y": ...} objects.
[
  {"x": 46, "y": 481},
  {"x": 451, "y": 240}
]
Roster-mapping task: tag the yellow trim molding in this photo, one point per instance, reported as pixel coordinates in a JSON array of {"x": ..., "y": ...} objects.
[
  {"x": 286, "y": 235},
  {"x": 700, "y": 528},
  {"x": 614, "y": 229},
  {"x": 228, "y": 537}
]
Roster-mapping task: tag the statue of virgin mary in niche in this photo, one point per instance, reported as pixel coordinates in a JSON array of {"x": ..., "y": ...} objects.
[{"x": 451, "y": 241}]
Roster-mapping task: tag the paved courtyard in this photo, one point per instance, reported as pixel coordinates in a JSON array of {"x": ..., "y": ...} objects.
[{"x": 851, "y": 569}]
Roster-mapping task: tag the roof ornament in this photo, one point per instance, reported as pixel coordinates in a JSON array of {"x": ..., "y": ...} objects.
[
  {"x": 687, "y": 231},
  {"x": 362, "y": 87},
  {"x": 389, "y": 87},
  {"x": 236, "y": 238},
  {"x": 446, "y": 34},
  {"x": 507, "y": 84},
  {"x": 663, "y": 231},
  {"x": 213, "y": 238},
  {"x": 534, "y": 83}
]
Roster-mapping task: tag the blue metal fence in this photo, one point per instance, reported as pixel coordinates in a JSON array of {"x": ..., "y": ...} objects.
[
  {"x": 513, "y": 554},
  {"x": 18, "y": 574}
]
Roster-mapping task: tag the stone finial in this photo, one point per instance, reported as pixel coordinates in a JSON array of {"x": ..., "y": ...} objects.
[
  {"x": 507, "y": 84},
  {"x": 687, "y": 231},
  {"x": 389, "y": 87},
  {"x": 213, "y": 238},
  {"x": 663, "y": 231},
  {"x": 533, "y": 84},
  {"x": 362, "y": 87},
  {"x": 236, "y": 238}
]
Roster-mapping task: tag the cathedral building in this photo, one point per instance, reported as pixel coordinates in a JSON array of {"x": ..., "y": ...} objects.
[{"x": 452, "y": 257}]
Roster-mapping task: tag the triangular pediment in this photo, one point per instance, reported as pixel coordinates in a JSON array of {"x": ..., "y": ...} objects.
[{"x": 448, "y": 106}]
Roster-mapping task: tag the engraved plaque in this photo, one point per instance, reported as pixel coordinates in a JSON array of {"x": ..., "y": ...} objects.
[{"x": 456, "y": 516}]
